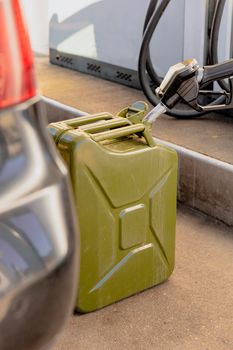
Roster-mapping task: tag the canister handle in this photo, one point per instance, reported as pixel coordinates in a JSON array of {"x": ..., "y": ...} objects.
[
  {"x": 125, "y": 131},
  {"x": 104, "y": 125},
  {"x": 79, "y": 121}
]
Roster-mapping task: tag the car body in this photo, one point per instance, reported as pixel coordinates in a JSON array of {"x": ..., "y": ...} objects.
[{"x": 38, "y": 232}]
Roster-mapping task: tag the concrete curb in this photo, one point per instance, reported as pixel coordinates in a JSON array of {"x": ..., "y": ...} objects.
[
  {"x": 205, "y": 183},
  {"x": 57, "y": 111}
]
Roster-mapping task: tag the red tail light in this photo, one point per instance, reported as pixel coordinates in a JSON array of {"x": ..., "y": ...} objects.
[{"x": 17, "y": 81}]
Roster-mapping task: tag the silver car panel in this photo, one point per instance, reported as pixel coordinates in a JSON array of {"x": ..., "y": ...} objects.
[{"x": 38, "y": 234}]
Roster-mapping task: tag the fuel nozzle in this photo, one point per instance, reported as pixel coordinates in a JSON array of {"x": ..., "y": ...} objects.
[{"x": 183, "y": 82}]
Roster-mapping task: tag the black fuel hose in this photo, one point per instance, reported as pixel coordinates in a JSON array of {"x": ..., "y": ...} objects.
[
  {"x": 149, "y": 65},
  {"x": 214, "y": 39},
  {"x": 145, "y": 63}
]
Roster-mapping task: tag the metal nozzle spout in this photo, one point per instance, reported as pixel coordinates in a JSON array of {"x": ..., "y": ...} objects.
[{"x": 155, "y": 113}]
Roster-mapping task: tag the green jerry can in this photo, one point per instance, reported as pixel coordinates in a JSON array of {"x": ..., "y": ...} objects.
[{"x": 125, "y": 189}]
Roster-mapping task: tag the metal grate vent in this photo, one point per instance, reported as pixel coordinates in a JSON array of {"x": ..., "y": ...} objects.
[
  {"x": 64, "y": 59},
  {"x": 97, "y": 68},
  {"x": 123, "y": 76},
  {"x": 93, "y": 67}
]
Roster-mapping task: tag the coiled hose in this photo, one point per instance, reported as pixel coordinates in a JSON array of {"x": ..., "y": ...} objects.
[{"x": 146, "y": 69}]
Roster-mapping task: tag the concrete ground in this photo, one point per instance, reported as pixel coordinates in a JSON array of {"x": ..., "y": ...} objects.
[
  {"x": 193, "y": 310},
  {"x": 211, "y": 134}
]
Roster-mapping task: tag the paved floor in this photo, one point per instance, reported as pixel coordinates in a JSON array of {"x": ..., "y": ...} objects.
[
  {"x": 211, "y": 135},
  {"x": 191, "y": 311}
]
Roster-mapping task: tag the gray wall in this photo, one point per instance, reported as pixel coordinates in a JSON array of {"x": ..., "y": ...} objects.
[
  {"x": 111, "y": 30},
  {"x": 36, "y": 14}
]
